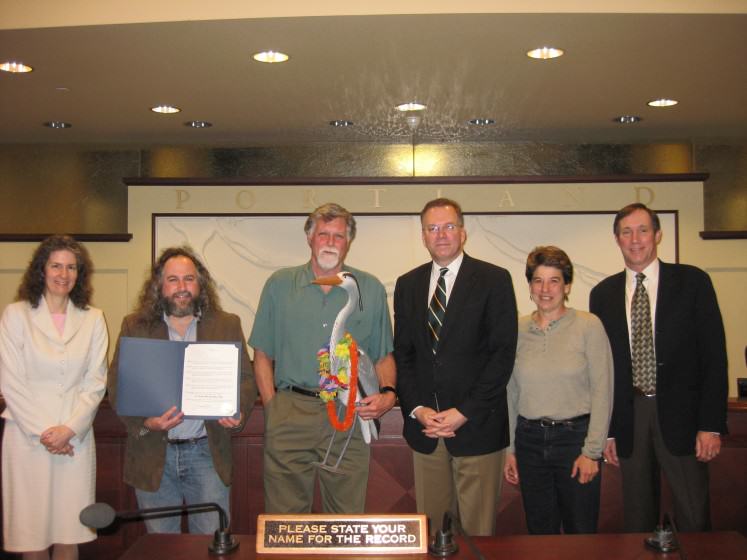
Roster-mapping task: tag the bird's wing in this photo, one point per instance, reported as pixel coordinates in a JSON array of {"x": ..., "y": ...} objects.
[
  {"x": 369, "y": 383},
  {"x": 367, "y": 378},
  {"x": 368, "y": 429}
]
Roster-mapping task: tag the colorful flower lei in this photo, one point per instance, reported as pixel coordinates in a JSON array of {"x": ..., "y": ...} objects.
[{"x": 346, "y": 377}]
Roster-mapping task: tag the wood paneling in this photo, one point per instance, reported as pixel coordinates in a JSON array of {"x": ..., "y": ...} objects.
[{"x": 391, "y": 487}]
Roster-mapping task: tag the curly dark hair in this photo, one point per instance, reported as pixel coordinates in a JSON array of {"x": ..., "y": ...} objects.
[
  {"x": 34, "y": 280},
  {"x": 549, "y": 256},
  {"x": 152, "y": 305}
]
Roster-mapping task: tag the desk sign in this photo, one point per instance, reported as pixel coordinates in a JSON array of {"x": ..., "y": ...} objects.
[{"x": 342, "y": 534}]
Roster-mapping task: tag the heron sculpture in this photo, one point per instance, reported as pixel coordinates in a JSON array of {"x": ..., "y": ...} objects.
[{"x": 346, "y": 374}]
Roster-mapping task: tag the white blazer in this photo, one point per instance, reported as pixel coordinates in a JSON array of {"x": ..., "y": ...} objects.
[{"x": 48, "y": 379}]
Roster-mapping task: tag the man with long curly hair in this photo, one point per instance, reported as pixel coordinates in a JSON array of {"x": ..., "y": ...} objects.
[{"x": 170, "y": 459}]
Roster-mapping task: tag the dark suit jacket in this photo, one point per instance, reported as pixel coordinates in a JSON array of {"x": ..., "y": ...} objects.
[
  {"x": 691, "y": 373},
  {"x": 474, "y": 360},
  {"x": 146, "y": 455}
]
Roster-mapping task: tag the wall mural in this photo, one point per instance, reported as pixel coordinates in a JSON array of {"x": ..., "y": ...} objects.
[{"x": 242, "y": 251}]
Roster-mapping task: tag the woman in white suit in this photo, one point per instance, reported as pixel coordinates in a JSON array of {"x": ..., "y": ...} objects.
[{"x": 52, "y": 375}]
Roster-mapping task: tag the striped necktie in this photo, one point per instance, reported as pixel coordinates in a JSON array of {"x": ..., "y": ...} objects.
[
  {"x": 644, "y": 362},
  {"x": 437, "y": 309}
]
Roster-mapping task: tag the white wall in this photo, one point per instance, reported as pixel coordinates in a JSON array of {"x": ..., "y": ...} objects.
[{"x": 121, "y": 267}]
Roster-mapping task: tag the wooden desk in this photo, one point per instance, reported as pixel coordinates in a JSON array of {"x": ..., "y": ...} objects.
[
  {"x": 697, "y": 546},
  {"x": 391, "y": 484}
]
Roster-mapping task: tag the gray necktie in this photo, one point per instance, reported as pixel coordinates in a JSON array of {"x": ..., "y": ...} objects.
[
  {"x": 644, "y": 362},
  {"x": 437, "y": 309}
]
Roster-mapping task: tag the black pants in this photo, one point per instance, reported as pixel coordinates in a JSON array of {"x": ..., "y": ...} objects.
[
  {"x": 552, "y": 499},
  {"x": 641, "y": 472}
]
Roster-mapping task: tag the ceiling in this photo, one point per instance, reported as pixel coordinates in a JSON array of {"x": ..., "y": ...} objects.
[{"x": 358, "y": 67}]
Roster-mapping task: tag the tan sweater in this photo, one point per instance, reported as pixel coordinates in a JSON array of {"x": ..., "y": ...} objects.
[{"x": 562, "y": 372}]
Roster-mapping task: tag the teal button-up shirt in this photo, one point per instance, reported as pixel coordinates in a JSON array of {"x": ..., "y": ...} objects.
[{"x": 295, "y": 318}]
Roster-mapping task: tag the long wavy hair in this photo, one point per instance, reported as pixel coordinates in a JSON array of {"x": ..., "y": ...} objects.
[
  {"x": 152, "y": 304},
  {"x": 34, "y": 280}
]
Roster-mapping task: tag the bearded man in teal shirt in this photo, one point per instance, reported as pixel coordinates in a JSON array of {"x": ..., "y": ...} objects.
[{"x": 294, "y": 320}]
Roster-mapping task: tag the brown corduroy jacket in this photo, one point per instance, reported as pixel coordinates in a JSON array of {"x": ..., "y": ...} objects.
[{"x": 146, "y": 454}]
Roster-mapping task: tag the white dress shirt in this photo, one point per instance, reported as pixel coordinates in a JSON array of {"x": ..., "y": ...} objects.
[{"x": 449, "y": 277}]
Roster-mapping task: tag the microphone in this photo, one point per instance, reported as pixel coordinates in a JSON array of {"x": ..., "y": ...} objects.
[
  {"x": 97, "y": 516},
  {"x": 101, "y": 515}
]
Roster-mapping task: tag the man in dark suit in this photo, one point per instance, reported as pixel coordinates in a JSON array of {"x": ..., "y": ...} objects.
[
  {"x": 454, "y": 345},
  {"x": 670, "y": 400}
]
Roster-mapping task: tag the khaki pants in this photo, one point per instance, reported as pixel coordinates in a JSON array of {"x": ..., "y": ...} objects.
[
  {"x": 297, "y": 432},
  {"x": 467, "y": 486}
]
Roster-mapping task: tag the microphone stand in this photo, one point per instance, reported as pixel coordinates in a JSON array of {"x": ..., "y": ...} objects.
[
  {"x": 98, "y": 516},
  {"x": 665, "y": 538},
  {"x": 444, "y": 544},
  {"x": 470, "y": 543}
]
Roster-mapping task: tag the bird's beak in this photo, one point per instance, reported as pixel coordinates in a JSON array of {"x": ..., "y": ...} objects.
[{"x": 328, "y": 281}]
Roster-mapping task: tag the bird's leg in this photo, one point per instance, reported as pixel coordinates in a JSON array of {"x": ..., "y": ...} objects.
[
  {"x": 329, "y": 448},
  {"x": 336, "y": 467}
]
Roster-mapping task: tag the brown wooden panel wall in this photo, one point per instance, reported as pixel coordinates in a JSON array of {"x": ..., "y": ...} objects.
[{"x": 390, "y": 487}]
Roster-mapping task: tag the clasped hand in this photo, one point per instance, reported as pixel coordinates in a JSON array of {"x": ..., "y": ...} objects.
[
  {"x": 440, "y": 424},
  {"x": 56, "y": 440}
]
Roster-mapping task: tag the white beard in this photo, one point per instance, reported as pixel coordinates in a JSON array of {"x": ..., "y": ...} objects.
[{"x": 328, "y": 259}]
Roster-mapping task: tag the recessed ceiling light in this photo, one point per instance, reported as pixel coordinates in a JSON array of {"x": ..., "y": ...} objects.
[
  {"x": 545, "y": 53},
  {"x": 411, "y": 106},
  {"x": 15, "y": 67},
  {"x": 57, "y": 124},
  {"x": 627, "y": 119},
  {"x": 198, "y": 124},
  {"x": 165, "y": 109},
  {"x": 270, "y": 57},
  {"x": 62, "y": 89},
  {"x": 663, "y": 102},
  {"x": 481, "y": 122},
  {"x": 341, "y": 122}
]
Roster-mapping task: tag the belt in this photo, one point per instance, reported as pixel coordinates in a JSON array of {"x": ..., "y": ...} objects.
[
  {"x": 549, "y": 422},
  {"x": 188, "y": 440},
  {"x": 640, "y": 393},
  {"x": 304, "y": 392}
]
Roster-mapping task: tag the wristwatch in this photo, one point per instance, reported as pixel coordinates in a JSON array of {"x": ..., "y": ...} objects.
[{"x": 388, "y": 389}]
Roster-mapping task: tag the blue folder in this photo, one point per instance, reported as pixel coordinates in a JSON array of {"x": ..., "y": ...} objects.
[{"x": 150, "y": 373}]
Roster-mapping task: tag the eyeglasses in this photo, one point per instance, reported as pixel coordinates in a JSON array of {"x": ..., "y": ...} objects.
[{"x": 435, "y": 229}]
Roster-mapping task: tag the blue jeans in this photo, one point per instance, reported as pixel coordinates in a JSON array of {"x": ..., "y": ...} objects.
[
  {"x": 188, "y": 477},
  {"x": 552, "y": 499}
]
